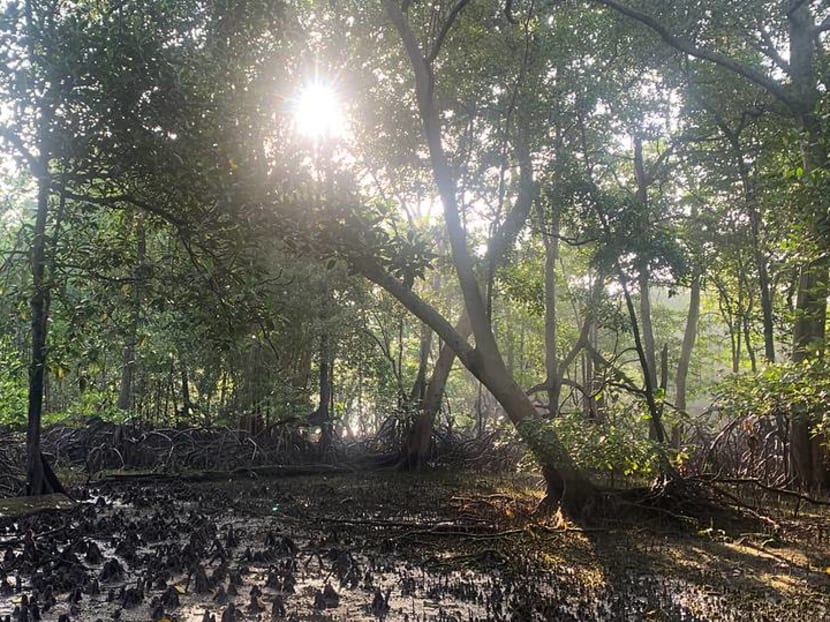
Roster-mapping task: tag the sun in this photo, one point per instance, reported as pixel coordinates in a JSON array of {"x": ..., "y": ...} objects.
[{"x": 318, "y": 112}]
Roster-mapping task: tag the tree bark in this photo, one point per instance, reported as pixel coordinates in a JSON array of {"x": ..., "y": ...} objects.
[
  {"x": 689, "y": 337},
  {"x": 420, "y": 435},
  {"x": 38, "y": 480},
  {"x": 552, "y": 377},
  {"x": 565, "y": 482},
  {"x": 128, "y": 368}
]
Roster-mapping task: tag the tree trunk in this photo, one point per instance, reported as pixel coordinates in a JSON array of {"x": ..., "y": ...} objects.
[
  {"x": 420, "y": 435},
  {"x": 322, "y": 416},
  {"x": 809, "y": 457},
  {"x": 565, "y": 483},
  {"x": 129, "y": 363},
  {"x": 39, "y": 477},
  {"x": 760, "y": 257},
  {"x": 689, "y": 337},
  {"x": 643, "y": 182},
  {"x": 416, "y": 396},
  {"x": 552, "y": 378},
  {"x": 185, "y": 386},
  {"x": 648, "y": 327},
  {"x": 766, "y": 291}
]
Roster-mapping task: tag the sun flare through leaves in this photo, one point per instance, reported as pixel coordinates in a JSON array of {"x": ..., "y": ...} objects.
[{"x": 318, "y": 111}]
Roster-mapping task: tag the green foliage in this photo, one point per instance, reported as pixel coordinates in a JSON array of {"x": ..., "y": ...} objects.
[
  {"x": 610, "y": 448},
  {"x": 796, "y": 390},
  {"x": 602, "y": 448},
  {"x": 13, "y": 386},
  {"x": 92, "y": 403}
]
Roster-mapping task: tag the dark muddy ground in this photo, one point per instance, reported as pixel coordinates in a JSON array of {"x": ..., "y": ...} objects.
[{"x": 392, "y": 547}]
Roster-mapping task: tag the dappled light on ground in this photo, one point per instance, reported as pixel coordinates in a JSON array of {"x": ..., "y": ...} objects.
[{"x": 384, "y": 547}]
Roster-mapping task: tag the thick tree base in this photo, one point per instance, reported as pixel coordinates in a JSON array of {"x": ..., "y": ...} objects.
[
  {"x": 42, "y": 479},
  {"x": 576, "y": 497},
  {"x": 411, "y": 462}
]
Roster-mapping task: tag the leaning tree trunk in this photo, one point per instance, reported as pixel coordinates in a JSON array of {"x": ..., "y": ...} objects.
[{"x": 566, "y": 484}]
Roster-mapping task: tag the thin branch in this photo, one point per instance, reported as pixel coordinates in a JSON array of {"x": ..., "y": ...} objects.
[
  {"x": 421, "y": 309},
  {"x": 506, "y": 235},
  {"x": 823, "y": 26},
  {"x": 445, "y": 29},
  {"x": 768, "y": 49},
  {"x": 683, "y": 45},
  {"x": 116, "y": 201},
  {"x": 581, "y": 343},
  {"x": 773, "y": 489},
  {"x": 15, "y": 251},
  {"x": 660, "y": 165},
  {"x": 625, "y": 382}
]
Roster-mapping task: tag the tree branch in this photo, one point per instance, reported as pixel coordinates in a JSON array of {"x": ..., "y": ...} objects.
[
  {"x": 823, "y": 26},
  {"x": 114, "y": 201},
  {"x": 423, "y": 75},
  {"x": 516, "y": 218},
  {"x": 581, "y": 343},
  {"x": 420, "y": 308},
  {"x": 794, "y": 5},
  {"x": 445, "y": 28},
  {"x": 768, "y": 49},
  {"x": 773, "y": 87}
]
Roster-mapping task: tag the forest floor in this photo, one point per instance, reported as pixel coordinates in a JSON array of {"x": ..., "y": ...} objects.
[{"x": 384, "y": 546}]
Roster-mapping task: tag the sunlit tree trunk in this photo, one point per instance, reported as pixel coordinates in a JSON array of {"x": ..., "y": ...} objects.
[
  {"x": 565, "y": 482},
  {"x": 683, "y": 363}
]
